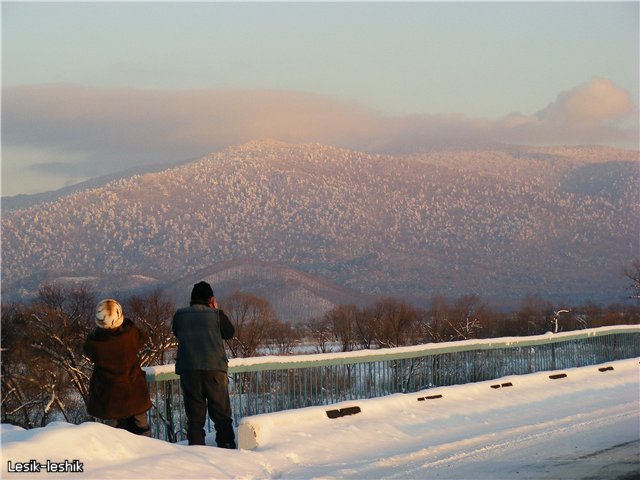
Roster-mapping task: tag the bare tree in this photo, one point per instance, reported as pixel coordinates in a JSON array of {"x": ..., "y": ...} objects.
[
  {"x": 252, "y": 318},
  {"x": 320, "y": 332},
  {"x": 61, "y": 320},
  {"x": 342, "y": 322},
  {"x": 466, "y": 317},
  {"x": 366, "y": 326},
  {"x": 437, "y": 320},
  {"x": 633, "y": 274},
  {"x": 281, "y": 338},
  {"x": 394, "y": 321},
  {"x": 534, "y": 316},
  {"x": 22, "y": 401},
  {"x": 153, "y": 313},
  {"x": 44, "y": 371}
]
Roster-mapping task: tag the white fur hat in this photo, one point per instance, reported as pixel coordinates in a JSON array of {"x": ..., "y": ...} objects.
[{"x": 109, "y": 314}]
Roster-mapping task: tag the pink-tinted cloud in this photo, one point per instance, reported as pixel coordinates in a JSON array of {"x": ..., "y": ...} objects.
[
  {"x": 122, "y": 126},
  {"x": 595, "y": 102},
  {"x": 597, "y": 112},
  {"x": 119, "y": 128}
]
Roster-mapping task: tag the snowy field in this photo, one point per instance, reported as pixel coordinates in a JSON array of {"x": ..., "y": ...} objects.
[{"x": 582, "y": 426}]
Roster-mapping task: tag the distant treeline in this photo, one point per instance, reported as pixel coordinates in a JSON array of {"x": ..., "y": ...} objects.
[{"x": 45, "y": 376}]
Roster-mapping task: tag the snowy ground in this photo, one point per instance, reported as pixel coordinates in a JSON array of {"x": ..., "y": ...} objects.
[{"x": 583, "y": 426}]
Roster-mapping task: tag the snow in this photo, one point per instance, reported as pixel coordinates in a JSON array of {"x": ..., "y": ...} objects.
[
  {"x": 143, "y": 278},
  {"x": 77, "y": 279},
  {"x": 585, "y": 425}
]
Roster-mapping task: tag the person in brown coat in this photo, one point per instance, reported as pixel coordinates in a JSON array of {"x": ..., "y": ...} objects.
[{"x": 117, "y": 389}]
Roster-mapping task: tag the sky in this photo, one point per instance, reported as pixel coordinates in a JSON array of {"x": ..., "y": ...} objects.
[
  {"x": 94, "y": 88},
  {"x": 585, "y": 425}
]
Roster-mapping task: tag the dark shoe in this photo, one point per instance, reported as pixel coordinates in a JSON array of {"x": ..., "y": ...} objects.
[
  {"x": 224, "y": 433},
  {"x": 195, "y": 438},
  {"x": 231, "y": 446}
]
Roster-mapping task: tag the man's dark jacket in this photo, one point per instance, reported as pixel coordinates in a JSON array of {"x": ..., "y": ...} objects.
[
  {"x": 117, "y": 388},
  {"x": 200, "y": 331}
]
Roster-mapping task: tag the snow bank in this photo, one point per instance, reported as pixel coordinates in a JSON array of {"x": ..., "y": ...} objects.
[
  {"x": 584, "y": 424},
  {"x": 523, "y": 390}
]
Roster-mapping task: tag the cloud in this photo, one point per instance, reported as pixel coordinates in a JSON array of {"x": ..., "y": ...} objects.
[
  {"x": 597, "y": 112},
  {"x": 595, "y": 102},
  {"x": 119, "y": 128},
  {"x": 125, "y": 126}
]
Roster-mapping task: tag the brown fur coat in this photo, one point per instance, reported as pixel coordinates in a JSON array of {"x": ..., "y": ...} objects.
[{"x": 117, "y": 388}]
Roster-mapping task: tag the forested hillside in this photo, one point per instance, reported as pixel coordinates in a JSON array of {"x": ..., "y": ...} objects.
[{"x": 498, "y": 223}]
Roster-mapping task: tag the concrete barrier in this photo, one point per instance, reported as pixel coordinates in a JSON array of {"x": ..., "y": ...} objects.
[{"x": 250, "y": 429}]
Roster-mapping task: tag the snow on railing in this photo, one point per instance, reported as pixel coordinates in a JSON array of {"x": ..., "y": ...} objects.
[{"x": 274, "y": 383}]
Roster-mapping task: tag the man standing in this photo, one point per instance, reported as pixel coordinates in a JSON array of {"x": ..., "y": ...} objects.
[{"x": 202, "y": 366}]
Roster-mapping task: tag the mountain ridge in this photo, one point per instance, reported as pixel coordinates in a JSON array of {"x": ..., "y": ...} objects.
[{"x": 295, "y": 295}]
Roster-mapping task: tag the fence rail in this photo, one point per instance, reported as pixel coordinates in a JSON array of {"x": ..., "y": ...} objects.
[{"x": 269, "y": 384}]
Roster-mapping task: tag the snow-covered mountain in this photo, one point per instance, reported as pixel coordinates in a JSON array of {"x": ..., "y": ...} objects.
[{"x": 500, "y": 223}]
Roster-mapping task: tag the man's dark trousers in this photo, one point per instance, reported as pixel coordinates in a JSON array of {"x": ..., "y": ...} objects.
[{"x": 207, "y": 390}]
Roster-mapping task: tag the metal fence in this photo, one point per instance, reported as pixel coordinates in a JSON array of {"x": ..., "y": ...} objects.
[{"x": 271, "y": 384}]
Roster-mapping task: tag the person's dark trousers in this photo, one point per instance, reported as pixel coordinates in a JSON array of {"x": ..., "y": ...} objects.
[
  {"x": 207, "y": 391},
  {"x": 138, "y": 424}
]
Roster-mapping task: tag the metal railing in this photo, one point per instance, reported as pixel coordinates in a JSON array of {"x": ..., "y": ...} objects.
[{"x": 270, "y": 384}]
